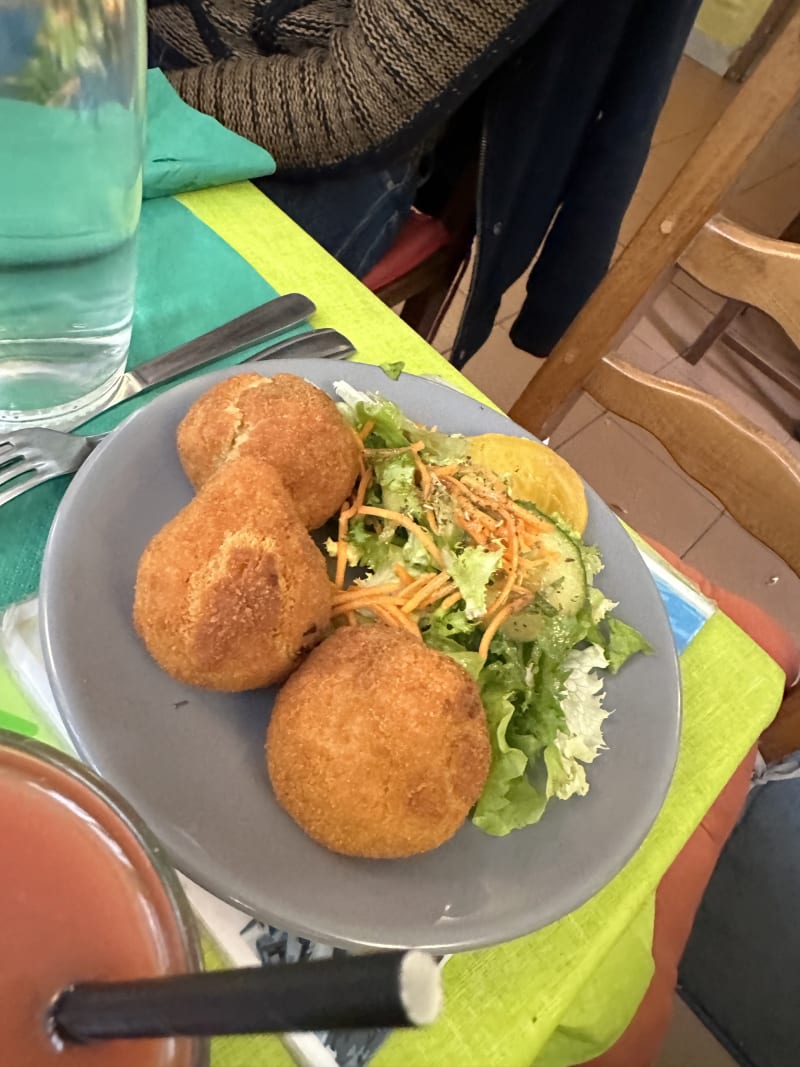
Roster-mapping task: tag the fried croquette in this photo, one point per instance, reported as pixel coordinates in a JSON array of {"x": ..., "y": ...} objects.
[
  {"x": 283, "y": 420},
  {"x": 232, "y": 592},
  {"x": 377, "y": 745}
]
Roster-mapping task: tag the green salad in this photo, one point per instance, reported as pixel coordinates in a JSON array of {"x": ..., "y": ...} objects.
[{"x": 445, "y": 550}]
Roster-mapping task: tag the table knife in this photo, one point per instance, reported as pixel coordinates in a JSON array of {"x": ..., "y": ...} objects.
[
  {"x": 316, "y": 344},
  {"x": 257, "y": 325}
]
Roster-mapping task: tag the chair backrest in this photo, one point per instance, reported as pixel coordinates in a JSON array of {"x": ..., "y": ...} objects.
[
  {"x": 755, "y": 478},
  {"x": 762, "y": 271}
]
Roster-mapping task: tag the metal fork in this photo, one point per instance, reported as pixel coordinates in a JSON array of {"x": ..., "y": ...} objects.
[
  {"x": 44, "y": 453},
  {"x": 47, "y": 454}
]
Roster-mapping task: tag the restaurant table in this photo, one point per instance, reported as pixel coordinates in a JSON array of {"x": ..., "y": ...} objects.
[{"x": 565, "y": 993}]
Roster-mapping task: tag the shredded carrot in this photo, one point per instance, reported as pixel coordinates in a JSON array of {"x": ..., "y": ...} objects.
[
  {"x": 392, "y": 616},
  {"x": 415, "y": 583},
  {"x": 493, "y": 495},
  {"x": 512, "y": 570},
  {"x": 365, "y": 601},
  {"x": 341, "y": 549},
  {"x": 361, "y": 591},
  {"x": 423, "y": 594},
  {"x": 345, "y": 515},
  {"x": 424, "y": 477},
  {"x": 472, "y": 507},
  {"x": 450, "y": 601},
  {"x": 407, "y": 524},
  {"x": 361, "y": 491},
  {"x": 367, "y": 429},
  {"x": 473, "y": 527},
  {"x": 493, "y": 627},
  {"x": 378, "y": 452},
  {"x": 484, "y": 509},
  {"x": 359, "y": 603},
  {"x": 434, "y": 596},
  {"x": 457, "y": 488},
  {"x": 402, "y": 574}
]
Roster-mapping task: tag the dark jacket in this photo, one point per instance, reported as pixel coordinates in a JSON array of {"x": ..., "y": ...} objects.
[
  {"x": 558, "y": 99},
  {"x": 567, "y": 124}
]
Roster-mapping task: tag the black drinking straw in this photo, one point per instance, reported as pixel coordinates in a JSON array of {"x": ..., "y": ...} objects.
[{"x": 387, "y": 989}]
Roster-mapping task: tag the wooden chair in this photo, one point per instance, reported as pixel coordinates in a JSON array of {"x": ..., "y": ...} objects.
[
  {"x": 689, "y": 203},
  {"x": 422, "y": 269},
  {"x": 725, "y": 318},
  {"x": 739, "y": 263},
  {"x": 754, "y": 477}
]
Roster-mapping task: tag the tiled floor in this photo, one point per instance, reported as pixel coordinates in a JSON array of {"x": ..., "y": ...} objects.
[{"x": 652, "y": 493}]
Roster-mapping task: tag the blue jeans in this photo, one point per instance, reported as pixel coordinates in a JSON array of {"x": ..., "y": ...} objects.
[{"x": 355, "y": 218}]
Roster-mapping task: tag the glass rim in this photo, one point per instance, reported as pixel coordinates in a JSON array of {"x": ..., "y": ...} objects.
[{"x": 188, "y": 928}]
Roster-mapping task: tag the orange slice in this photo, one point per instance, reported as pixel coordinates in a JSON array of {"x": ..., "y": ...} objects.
[{"x": 535, "y": 473}]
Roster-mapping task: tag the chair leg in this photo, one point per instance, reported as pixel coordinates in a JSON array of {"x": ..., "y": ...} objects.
[
  {"x": 724, "y": 318},
  {"x": 424, "y": 311}
]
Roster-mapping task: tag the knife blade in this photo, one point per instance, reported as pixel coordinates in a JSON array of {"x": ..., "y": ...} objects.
[
  {"x": 318, "y": 344},
  {"x": 257, "y": 325}
]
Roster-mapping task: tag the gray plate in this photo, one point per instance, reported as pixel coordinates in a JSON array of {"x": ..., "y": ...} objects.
[{"x": 192, "y": 761}]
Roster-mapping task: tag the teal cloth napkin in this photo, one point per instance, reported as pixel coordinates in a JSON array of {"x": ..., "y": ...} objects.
[
  {"x": 189, "y": 281},
  {"x": 187, "y": 150}
]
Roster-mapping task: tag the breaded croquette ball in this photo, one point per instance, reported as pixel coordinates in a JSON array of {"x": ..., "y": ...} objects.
[
  {"x": 232, "y": 592},
  {"x": 377, "y": 745},
  {"x": 283, "y": 420}
]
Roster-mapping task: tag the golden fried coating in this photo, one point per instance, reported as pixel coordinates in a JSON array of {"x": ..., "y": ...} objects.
[
  {"x": 232, "y": 591},
  {"x": 284, "y": 420},
  {"x": 377, "y": 745}
]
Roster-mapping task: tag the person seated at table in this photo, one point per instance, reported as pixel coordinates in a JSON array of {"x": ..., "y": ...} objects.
[
  {"x": 352, "y": 97},
  {"x": 350, "y": 89}
]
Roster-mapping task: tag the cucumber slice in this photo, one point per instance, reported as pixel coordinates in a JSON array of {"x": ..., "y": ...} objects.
[
  {"x": 526, "y": 626},
  {"x": 564, "y": 584}
]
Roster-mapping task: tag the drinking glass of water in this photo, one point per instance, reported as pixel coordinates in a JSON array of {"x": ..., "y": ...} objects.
[{"x": 72, "y": 76}]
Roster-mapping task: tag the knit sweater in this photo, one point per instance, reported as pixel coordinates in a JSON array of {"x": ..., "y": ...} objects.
[{"x": 332, "y": 81}]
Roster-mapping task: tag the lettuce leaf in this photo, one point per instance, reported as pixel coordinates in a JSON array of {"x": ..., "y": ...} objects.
[
  {"x": 623, "y": 642},
  {"x": 581, "y": 738},
  {"x": 509, "y": 800},
  {"x": 393, "y": 370},
  {"x": 472, "y": 570},
  {"x": 565, "y": 778},
  {"x": 519, "y": 689},
  {"x": 393, "y": 429},
  {"x": 396, "y": 476}
]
